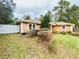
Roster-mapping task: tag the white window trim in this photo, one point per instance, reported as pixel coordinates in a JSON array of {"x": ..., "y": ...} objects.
[
  {"x": 71, "y": 28},
  {"x": 62, "y": 28},
  {"x": 32, "y": 28}
]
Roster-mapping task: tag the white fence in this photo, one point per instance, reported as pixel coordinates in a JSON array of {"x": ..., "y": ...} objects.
[{"x": 4, "y": 29}]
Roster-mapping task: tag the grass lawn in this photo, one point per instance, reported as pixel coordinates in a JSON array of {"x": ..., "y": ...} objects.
[
  {"x": 15, "y": 46},
  {"x": 66, "y": 40},
  {"x": 11, "y": 47}
]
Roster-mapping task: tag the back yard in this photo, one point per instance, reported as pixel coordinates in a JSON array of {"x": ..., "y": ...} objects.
[{"x": 15, "y": 46}]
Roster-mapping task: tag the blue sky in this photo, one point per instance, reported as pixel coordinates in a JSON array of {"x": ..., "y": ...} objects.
[{"x": 36, "y": 7}]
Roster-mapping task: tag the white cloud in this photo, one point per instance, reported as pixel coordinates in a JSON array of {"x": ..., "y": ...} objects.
[
  {"x": 36, "y": 7},
  {"x": 32, "y": 7},
  {"x": 74, "y": 2},
  {"x": 31, "y": 3}
]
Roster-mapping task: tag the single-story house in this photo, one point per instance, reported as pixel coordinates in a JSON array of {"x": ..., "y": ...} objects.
[
  {"x": 28, "y": 25},
  {"x": 62, "y": 27}
]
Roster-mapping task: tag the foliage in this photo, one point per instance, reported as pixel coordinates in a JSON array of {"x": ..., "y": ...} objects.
[
  {"x": 45, "y": 29},
  {"x": 6, "y": 11},
  {"x": 61, "y": 9},
  {"x": 45, "y": 20},
  {"x": 67, "y": 13},
  {"x": 32, "y": 33},
  {"x": 74, "y": 14},
  {"x": 44, "y": 35},
  {"x": 26, "y": 17}
]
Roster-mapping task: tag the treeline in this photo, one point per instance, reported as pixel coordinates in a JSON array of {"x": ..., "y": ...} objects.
[
  {"x": 6, "y": 11},
  {"x": 67, "y": 13},
  {"x": 63, "y": 12}
]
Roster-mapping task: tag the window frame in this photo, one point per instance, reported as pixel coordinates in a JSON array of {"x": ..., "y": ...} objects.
[{"x": 63, "y": 28}]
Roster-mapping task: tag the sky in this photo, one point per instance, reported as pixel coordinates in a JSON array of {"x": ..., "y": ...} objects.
[{"x": 35, "y": 8}]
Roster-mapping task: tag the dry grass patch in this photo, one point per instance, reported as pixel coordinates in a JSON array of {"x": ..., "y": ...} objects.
[
  {"x": 65, "y": 46},
  {"x": 22, "y": 47},
  {"x": 16, "y": 46}
]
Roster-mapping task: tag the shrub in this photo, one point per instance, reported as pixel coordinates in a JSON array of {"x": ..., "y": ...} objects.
[
  {"x": 45, "y": 29},
  {"x": 56, "y": 32},
  {"x": 23, "y": 33},
  {"x": 44, "y": 35},
  {"x": 69, "y": 32},
  {"x": 75, "y": 34},
  {"x": 32, "y": 33},
  {"x": 63, "y": 32}
]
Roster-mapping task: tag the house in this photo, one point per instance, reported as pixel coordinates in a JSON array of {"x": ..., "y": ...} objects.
[
  {"x": 28, "y": 25},
  {"x": 62, "y": 27}
]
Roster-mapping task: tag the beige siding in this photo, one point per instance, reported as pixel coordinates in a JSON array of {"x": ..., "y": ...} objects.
[
  {"x": 58, "y": 28},
  {"x": 55, "y": 28},
  {"x": 37, "y": 27},
  {"x": 24, "y": 27},
  {"x": 68, "y": 28}
]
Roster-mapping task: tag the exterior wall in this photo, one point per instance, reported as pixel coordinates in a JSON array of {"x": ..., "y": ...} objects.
[
  {"x": 59, "y": 28},
  {"x": 37, "y": 27},
  {"x": 56, "y": 28},
  {"x": 72, "y": 28},
  {"x": 6, "y": 29},
  {"x": 24, "y": 27},
  {"x": 68, "y": 28}
]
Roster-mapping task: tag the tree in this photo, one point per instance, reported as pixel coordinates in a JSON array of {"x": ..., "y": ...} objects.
[
  {"x": 41, "y": 17},
  {"x": 26, "y": 17},
  {"x": 61, "y": 10},
  {"x": 73, "y": 14},
  {"x": 67, "y": 13},
  {"x": 45, "y": 20},
  {"x": 6, "y": 11}
]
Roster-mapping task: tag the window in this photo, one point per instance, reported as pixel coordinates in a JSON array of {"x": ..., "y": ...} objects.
[
  {"x": 72, "y": 29},
  {"x": 30, "y": 26},
  {"x": 63, "y": 28},
  {"x": 33, "y": 27}
]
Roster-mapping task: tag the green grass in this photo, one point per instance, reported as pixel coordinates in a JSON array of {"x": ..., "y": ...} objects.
[
  {"x": 15, "y": 46},
  {"x": 66, "y": 40},
  {"x": 11, "y": 47}
]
